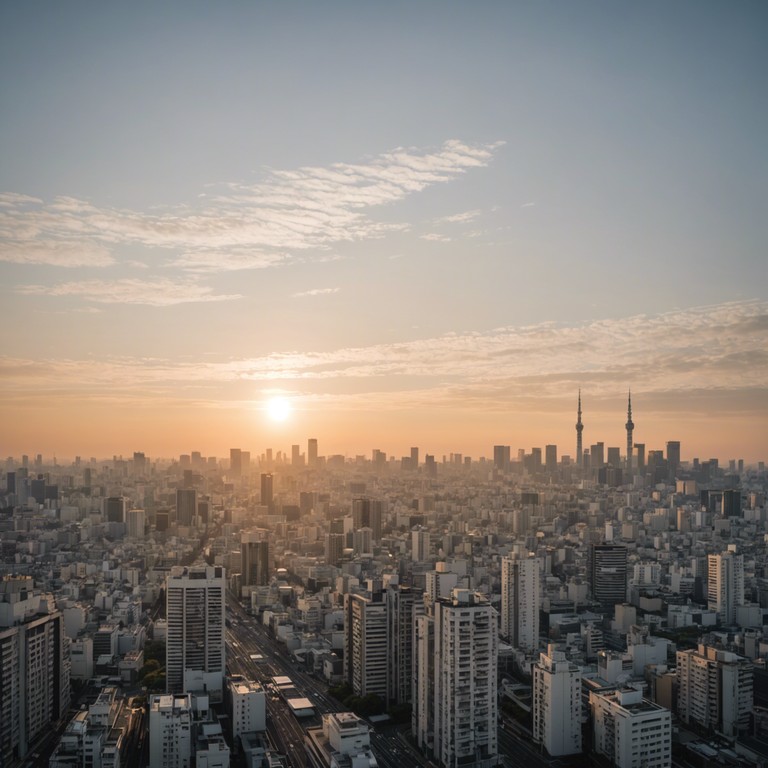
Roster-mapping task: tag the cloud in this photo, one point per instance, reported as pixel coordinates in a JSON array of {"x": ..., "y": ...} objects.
[
  {"x": 436, "y": 237},
  {"x": 157, "y": 292},
  {"x": 56, "y": 253},
  {"x": 316, "y": 292},
  {"x": 242, "y": 226},
  {"x": 528, "y": 205},
  {"x": 694, "y": 359},
  {"x": 459, "y": 218}
]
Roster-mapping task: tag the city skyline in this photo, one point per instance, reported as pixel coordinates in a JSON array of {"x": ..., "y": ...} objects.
[{"x": 418, "y": 225}]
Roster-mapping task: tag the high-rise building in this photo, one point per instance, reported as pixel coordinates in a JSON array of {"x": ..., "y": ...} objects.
[
  {"x": 550, "y": 457},
  {"x": 673, "y": 458},
  {"x": 521, "y": 600},
  {"x": 267, "y": 496},
  {"x": 170, "y": 731},
  {"x": 714, "y": 690},
  {"x": 114, "y": 509},
  {"x": 247, "y": 706},
  {"x": 557, "y": 704},
  {"x": 404, "y": 605},
  {"x": 366, "y": 650},
  {"x": 334, "y": 548},
  {"x": 254, "y": 559},
  {"x": 501, "y": 457},
  {"x": 414, "y": 458},
  {"x": 195, "y": 651},
  {"x": 137, "y": 519},
  {"x": 186, "y": 506},
  {"x": 630, "y": 427},
  {"x": 34, "y": 667},
  {"x": 297, "y": 460},
  {"x": 631, "y": 731},
  {"x": 312, "y": 452},
  {"x": 607, "y": 567},
  {"x": 579, "y": 439},
  {"x": 455, "y": 706},
  {"x": 725, "y": 585},
  {"x": 420, "y": 543},
  {"x": 235, "y": 462}
]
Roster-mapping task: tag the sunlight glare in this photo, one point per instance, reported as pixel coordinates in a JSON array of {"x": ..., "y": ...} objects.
[{"x": 278, "y": 408}]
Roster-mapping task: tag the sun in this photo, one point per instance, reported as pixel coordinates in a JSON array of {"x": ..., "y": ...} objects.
[{"x": 278, "y": 408}]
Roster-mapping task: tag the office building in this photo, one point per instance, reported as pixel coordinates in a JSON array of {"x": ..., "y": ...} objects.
[
  {"x": 114, "y": 509},
  {"x": 521, "y": 600},
  {"x": 630, "y": 731},
  {"x": 235, "y": 462},
  {"x": 312, "y": 453},
  {"x": 195, "y": 651},
  {"x": 455, "y": 706},
  {"x": 186, "y": 506},
  {"x": 34, "y": 667},
  {"x": 334, "y": 548},
  {"x": 254, "y": 559},
  {"x": 714, "y": 690},
  {"x": 607, "y": 569},
  {"x": 725, "y": 585},
  {"x": 557, "y": 704},
  {"x": 501, "y": 457},
  {"x": 550, "y": 457},
  {"x": 673, "y": 458},
  {"x": 267, "y": 491}
]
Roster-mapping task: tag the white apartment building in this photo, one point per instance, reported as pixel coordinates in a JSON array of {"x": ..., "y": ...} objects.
[
  {"x": 455, "y": 707},
  {"x": 725, "y": 585},
  {"x": 366, "y": 651},
  {"x": 557, "y": 704},
  {"x": 714, "y": 689},
  {"x": 195, "y": 650},
  {"x": 521, "y": 600},
  {"x": 248, "y": 707},
  {"x": 34, "y": 666},
  {"x": 631, "y": 731},
  {"x": 170, "y": 731}
]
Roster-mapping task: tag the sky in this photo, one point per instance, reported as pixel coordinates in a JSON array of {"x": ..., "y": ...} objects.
[{"x": 420, "y": 223}]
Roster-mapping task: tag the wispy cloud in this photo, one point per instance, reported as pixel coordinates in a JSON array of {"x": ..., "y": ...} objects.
[
  {"x": 315, "y": 292},
  {"x": 436, "y": 237},
  {"x": 243, "y": 226},
  {"x": 157, "y": 292},
  {"x": 459, "y": 218},
  {"x": 690, "y": 358}
]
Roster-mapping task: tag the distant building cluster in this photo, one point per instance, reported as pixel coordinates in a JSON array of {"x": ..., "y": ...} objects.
[{"x": 531, "y": 603}]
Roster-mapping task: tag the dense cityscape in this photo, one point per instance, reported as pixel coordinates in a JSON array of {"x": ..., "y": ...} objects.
[{"x": 295, "y": 609}]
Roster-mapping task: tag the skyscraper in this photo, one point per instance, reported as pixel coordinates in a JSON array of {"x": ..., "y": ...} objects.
[
  {"x": 404, "y": 605},
  {"x": 607, "y": 568},
  {"x": 630, "y": 426},
  {"x": 550, "y": 457},
  {"x": 557, "y": 704},
  {"x": 520, "y": 601},
  {"x": 266, "y": 489},
  {"x": 254, "y": 559},
  {"x": 186, "y": 506},
  {"x": 235, "y": 462},
  {"x": 195, "y": 651},
  {"x": 455, "y": 707},
  {"x": 673, "y": 457},
  {"x": 579, "y": 430},
  {"x": 312, "y": 452}
]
